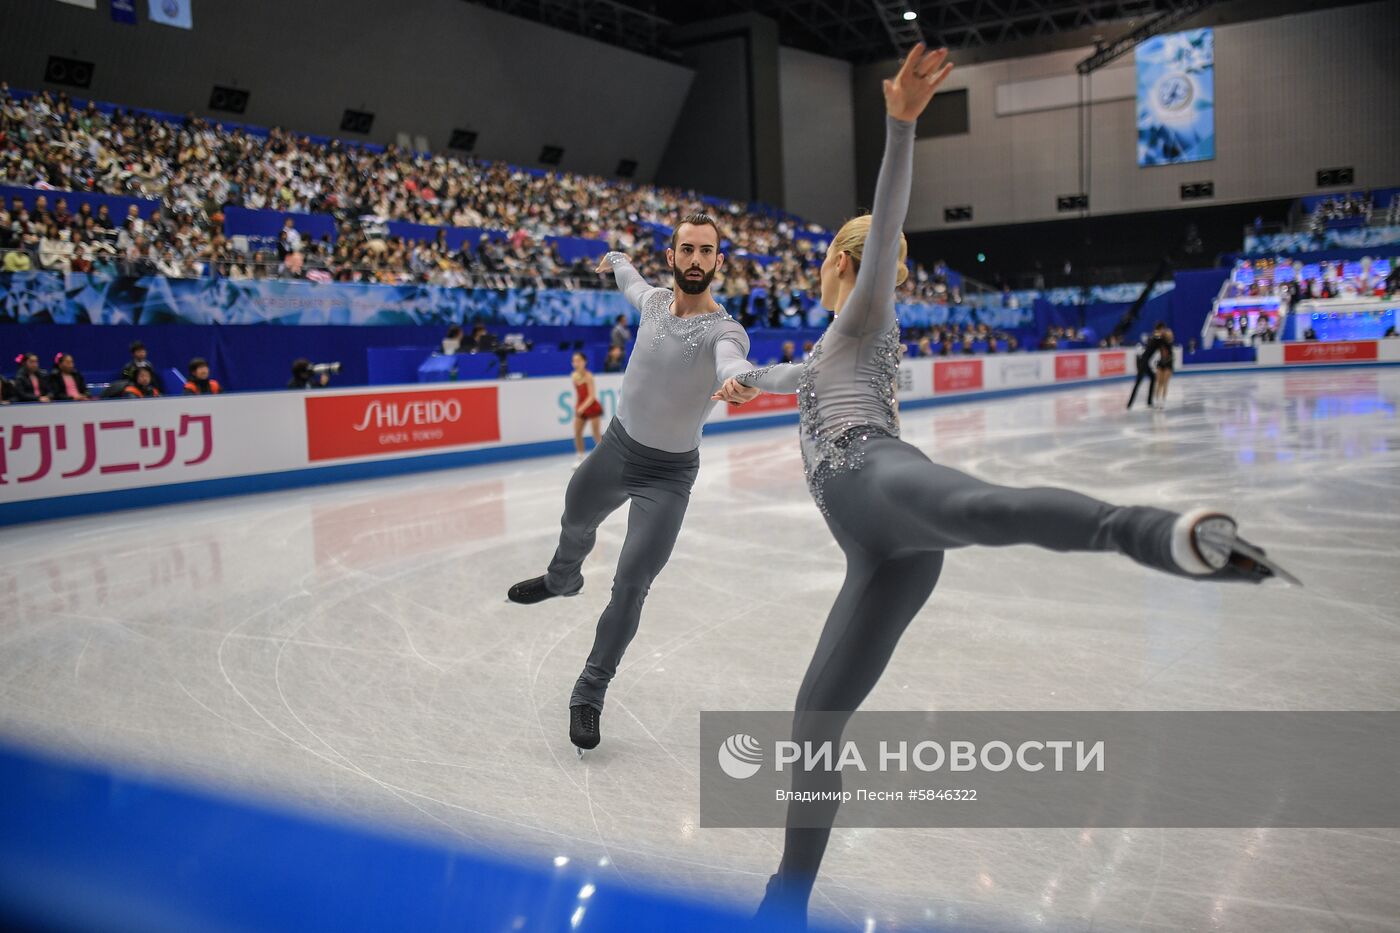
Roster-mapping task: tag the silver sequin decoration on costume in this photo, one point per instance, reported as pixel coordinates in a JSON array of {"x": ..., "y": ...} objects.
[
  {"x": 840, "y": 448},
  {"x": 689, "y": 330}
]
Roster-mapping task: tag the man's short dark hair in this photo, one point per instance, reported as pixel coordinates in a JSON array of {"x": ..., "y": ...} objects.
[
  {"x": 197, "y": 362},
  {"x": 136, "y": 345},
  {"x": 697, "y": 219}
]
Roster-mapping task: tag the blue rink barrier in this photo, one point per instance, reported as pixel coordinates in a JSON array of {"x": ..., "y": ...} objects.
[{"x": 89, "y": 849}]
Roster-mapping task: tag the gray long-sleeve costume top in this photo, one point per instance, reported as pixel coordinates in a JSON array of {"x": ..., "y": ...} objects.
[
  {"x": 845, "y": 388},
  {"x": 677, "y": 364}
]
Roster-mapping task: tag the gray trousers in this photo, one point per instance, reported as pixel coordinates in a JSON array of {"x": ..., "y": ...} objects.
[
  {"x": 658, "y": 484},
  {"x": 894, "y": 518}
]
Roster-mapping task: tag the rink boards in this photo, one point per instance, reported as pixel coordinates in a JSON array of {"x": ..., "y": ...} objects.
[{"x": 68, "y": 459}]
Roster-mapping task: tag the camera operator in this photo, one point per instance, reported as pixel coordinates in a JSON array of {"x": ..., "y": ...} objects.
[{"x": 306, "y": 375}]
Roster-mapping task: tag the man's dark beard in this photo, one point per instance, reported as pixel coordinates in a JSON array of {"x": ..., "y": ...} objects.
[{"x": 693, "y": 286}]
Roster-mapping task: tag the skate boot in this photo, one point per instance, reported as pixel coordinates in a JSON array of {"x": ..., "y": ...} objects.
[
  {"x": 1206, "y": 543},
  {"x": 533, "y": 590},
  {"x": 782, "y": 908},
  {"x": 583, "y": 727}
]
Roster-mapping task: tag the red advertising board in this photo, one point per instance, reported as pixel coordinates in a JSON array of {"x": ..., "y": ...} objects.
[
  {"x": 1071, "y": 366},
  {"x": 1341, "y": 351},
  {"x": 957, "y": 375},
  {"x": 763, "y": 403},
  {"x": 1113, "y": 364},
  {"x": 385, "y": 423}
]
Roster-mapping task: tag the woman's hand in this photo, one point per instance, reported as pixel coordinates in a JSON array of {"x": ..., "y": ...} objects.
[
  {"x": 735, "y": 393},
  {"x": 909, "y": 91},
  {"x": 604, "y": 267}
]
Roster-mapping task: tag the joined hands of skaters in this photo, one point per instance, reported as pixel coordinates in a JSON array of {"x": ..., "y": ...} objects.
[{"x": 735, "y": 392}]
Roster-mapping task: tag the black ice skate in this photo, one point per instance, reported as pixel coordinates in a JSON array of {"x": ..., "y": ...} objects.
[
  {"x": 533, "y": 590},
  {"x": 583, "y": 727},
  {"x": 782, "y": 908},
  {"x": 1216, "y": 543}
]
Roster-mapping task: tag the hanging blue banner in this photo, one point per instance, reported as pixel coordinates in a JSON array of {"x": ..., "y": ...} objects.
[
  {"x": 124, "y": 11},
  {"x": 1176, "y": 98}
]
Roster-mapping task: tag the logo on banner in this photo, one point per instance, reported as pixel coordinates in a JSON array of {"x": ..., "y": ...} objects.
[
  {"x": 957, "y": 376},
  {"x": 1071, "y": 366},
  {"x": 1020, "y": 372},
  {"x": 367, "y": 424},
  {"x": 171, "y": 13},
  {"x": 740, "y": 756},
  {"x": 1343, "y": 351},
  {"x": 1113, "y": 364},
  {"x": 765, "y": 402}
]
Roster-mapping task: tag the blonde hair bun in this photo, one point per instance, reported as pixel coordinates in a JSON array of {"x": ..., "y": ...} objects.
[{"x": 851, "y": 239}]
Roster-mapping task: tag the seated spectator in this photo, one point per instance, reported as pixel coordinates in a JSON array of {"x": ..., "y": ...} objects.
[
  {"x": 482, "y": 340},
  {"x": 56, "y": 249},
  {"x": 453, "y": 341},
  {"x": 139, "y": 361},
  {"x": 613, "y": 362},
  {"x": 66, "y": 384},
  {"x": 789, "y": 352},
  {"x": 1309, "y": 334},
  {"x": 30, "y": 384},
  {"x": 141, "y": 387},
  {"x": 17, "y": 261},
  {"x": 200, "y": 383},
  {"x": 304, "y": 376}
]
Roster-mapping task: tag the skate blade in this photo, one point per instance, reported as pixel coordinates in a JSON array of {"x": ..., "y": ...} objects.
[
  {"x": 1259, "y": 557},
  {"x": 579, "y": 751}
]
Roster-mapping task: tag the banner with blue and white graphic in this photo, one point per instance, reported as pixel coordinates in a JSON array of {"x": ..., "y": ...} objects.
[
  {"x": 124, "y": 11},
  {"x": 1176, "y": 98},
  {"x": 172, "y": 13}
]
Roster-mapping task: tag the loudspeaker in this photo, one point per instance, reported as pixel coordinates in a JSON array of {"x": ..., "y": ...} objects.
[
  {"x": 69, "y": 71},
  {"x": 356, "y": 121},
  {"x": 626, "y": 168},
  {"x": 1072, "y": 202},
  {"x": 1197, "y": 189},
  {"x": 228, "y": 99},
  {"x": 464, "y": 140},
  {"x": 550, "y": 155},
  {"x": 955, "y": 214},
  {"x": 1329, "y": 177}
]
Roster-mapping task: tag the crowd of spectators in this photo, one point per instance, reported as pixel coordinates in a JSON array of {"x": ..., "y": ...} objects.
[
  {"x": 1291, "y": 280},
  {"x": 197, "y": 169}
]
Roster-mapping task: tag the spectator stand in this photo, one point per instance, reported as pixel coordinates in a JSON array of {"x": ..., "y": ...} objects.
[{"x": 1338, "y": 296}]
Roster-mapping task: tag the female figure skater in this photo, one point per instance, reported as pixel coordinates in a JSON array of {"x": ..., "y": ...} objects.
[
  {"x": 893, "y": 511},
  {"x": 1166, "y": 365},
  {"x": 587, "y": 408}
]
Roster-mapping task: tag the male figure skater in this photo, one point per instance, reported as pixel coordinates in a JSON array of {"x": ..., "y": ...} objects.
[
  {"x": 1145, "y": 369},
  {"x": 687, "y": 346}
]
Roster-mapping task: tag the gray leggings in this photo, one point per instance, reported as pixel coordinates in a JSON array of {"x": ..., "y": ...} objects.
[
  {"x": 658, "y": 483},
  {"x": 894, "y": 518}
]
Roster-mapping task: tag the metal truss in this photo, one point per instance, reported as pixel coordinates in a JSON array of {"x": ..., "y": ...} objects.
[
  {"x": 856, "y": 30},
  {"x": 607, "y": 21},
  {"x": 1125, "y": 44}
]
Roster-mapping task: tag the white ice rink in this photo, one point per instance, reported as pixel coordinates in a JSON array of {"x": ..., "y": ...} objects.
[{"x": 349, "y": 649}]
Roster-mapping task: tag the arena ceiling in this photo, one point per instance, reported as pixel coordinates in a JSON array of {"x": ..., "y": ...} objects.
[{"x": 856, "y": 30}]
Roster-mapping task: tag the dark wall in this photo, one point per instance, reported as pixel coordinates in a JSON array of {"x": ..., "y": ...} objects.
[
  {"x": 728, "y": 141},
  {"x": 1101, "y": 250},
  {"x": 423, "y": 67}
]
